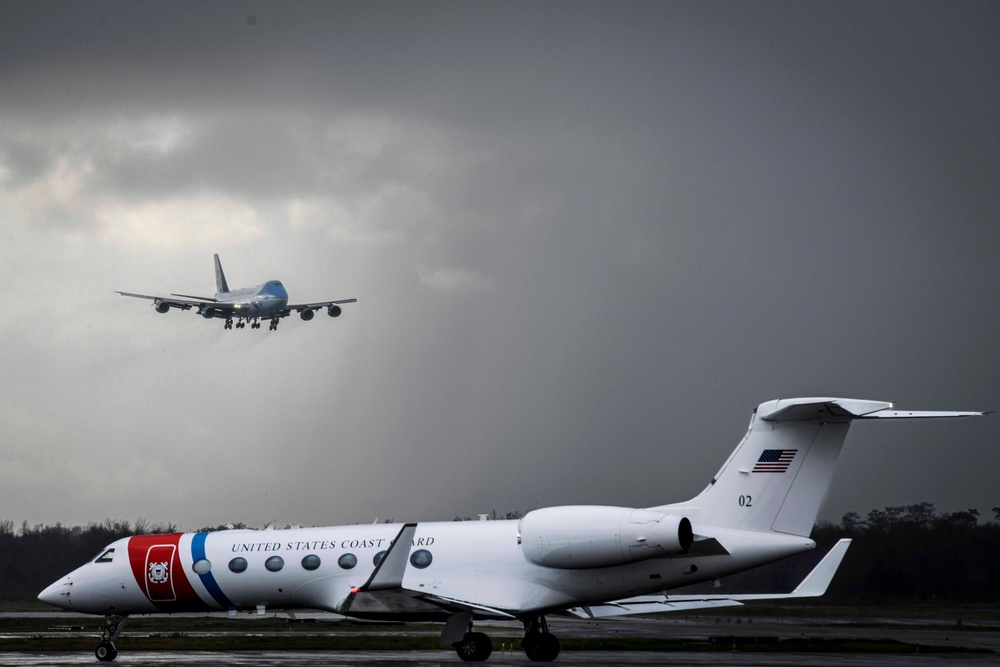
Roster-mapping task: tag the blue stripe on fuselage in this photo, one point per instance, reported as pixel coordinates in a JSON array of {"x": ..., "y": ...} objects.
[{"x": 207, "y": 580}]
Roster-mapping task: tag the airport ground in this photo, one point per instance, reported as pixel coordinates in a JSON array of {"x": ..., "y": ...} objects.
[{"x": 935, "y": 636}]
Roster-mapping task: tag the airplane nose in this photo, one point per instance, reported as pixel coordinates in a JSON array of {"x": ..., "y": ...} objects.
[{"x": 57, "y": 594}]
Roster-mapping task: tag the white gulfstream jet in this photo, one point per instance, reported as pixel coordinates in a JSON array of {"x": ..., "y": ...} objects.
[
  {"x": 268, "y": 301},
  {"x": 583, "y": 561}
]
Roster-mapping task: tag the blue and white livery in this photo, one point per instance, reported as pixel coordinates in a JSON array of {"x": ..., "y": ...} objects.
[{"x": 267, "y": 301}]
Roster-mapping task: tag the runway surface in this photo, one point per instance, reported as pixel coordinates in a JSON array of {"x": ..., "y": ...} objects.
[
  {"x": 928, "y": 632},
  {"x": 435, "y": 658}
]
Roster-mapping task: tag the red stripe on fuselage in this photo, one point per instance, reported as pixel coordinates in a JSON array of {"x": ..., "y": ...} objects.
[{"x": 156, "y": 566}]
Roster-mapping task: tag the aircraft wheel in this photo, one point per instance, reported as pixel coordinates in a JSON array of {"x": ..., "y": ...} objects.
[
  {"x": 474, "y": 647},
  {"x": 106, "y": 652},
  {"x": 541, "y": 646}
]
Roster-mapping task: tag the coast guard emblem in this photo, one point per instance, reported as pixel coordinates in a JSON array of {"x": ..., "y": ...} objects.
[{"x": 158, "y": 573}]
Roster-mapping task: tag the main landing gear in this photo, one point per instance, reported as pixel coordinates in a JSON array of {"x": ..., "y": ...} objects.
[
  {"x": 474, "y": 647},
  {"x": 539, "y": 644},
  {"x": 254, "y": 324},
  {"x": 106, "y": 651}
]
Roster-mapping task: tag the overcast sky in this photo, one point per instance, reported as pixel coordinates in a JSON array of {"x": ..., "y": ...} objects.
[{"x": 587, "y": 239}]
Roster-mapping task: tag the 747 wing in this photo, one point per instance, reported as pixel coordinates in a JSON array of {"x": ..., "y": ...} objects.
[{"x": 307, "y": 310}]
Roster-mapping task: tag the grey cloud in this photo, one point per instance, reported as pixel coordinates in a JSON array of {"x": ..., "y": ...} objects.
[{"x": 587, "y": 240}]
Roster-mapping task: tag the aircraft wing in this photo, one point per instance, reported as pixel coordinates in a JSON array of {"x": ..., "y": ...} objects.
[
  {"x": 813, "y": 585},
  {"x": 183, "y": 304},
  {"x": 164, "y": 303},
  {"x": 332, "y": 306},
  {"x": 384, "y": 591}
]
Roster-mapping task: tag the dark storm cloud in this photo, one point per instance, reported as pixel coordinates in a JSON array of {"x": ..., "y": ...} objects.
[{"x": 588, "y": 238}]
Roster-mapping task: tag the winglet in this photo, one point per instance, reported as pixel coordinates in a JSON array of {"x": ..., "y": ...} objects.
[{"x": 815, "y": 583}]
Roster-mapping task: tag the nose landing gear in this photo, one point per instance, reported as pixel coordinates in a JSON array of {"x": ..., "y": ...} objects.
[{"x": 106, "y": 651}]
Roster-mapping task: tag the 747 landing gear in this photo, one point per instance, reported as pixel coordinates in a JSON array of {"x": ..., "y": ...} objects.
[
  {"x": 539, "y": 644},
  {"x": 229, "y": 323},
  {"x": 106, "y": 651},
  {"x": 274, "y": 323}
]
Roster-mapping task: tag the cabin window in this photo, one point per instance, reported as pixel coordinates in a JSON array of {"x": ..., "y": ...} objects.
[
  {"x": 378, "y": 558},
  {"x": 202, "y": 566},
  {"x": 421, "y": 558},
  {"x": 238, "y": 565},
  {"x": 106, "y": 557},
  {"x": 274, "y": 563},
  {"x": 311, "y": 562},
  {"x": 347, "y": 561}
]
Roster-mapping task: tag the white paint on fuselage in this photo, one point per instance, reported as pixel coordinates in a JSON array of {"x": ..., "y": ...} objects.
[
  {"x": 478, "y": 562},
  {"x": 264, "y": 300}
]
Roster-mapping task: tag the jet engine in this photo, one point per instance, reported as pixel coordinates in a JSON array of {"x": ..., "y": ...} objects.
[
  {"x": 579, "y": 537},
  {"x": 208, "y": 313},
  {"x": 306, "y": 314},
  {"x": 161, "y": 306},
  {"x": 333, "y": 310}
]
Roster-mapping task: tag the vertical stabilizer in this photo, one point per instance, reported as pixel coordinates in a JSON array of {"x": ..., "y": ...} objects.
[
  {"x": 221, "y": 287},
  {"x": 779, "y": 474}
]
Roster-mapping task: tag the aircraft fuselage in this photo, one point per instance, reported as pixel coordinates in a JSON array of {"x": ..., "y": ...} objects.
[
  {"x": 318, "y": 568},
  {"x": 262, "y": 301}
]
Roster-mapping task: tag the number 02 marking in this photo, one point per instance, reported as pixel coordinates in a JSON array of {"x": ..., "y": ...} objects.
[{"x": 745, "y": 501}]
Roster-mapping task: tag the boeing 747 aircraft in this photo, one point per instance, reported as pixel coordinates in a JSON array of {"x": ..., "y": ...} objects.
[
  {"x": 268, "y": 301},
  {"x": 582, "y": 561}
]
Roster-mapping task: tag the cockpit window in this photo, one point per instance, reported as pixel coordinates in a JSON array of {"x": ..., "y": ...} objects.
[{"x": 106, "y": 557}]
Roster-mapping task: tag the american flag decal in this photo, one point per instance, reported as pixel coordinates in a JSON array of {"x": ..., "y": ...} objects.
[{"x": 775, "y": 460}]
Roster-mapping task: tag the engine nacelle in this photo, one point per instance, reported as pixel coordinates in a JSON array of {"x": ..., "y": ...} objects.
[
  {"x": 585, "y": 536},
  {"x": 333, "y": 311},
  {"x": 161, "y": 306},
  {"x": 306, "y": 314},
  {"x": 208, "y": 313}
]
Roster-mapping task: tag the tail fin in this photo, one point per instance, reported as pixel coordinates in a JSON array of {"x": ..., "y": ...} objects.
[
  {"x": 220, "y": 278},
  {"x": 779, "y": 474}
]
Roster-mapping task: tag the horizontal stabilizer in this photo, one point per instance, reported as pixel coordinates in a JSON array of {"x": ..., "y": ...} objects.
[{"x": 826, "y": 410}]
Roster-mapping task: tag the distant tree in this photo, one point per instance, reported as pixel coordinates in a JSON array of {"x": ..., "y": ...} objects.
[
  {"x": 224, "y": 526},
  {"x": 921, "y": 514},
  {"x": 852, "y": 523},
  {"x": 964, "y": 519}
]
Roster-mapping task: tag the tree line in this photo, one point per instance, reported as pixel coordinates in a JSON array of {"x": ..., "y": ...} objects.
[
  {"x": 898, "y": 553},
  {"x": 909, "y": 552}
]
